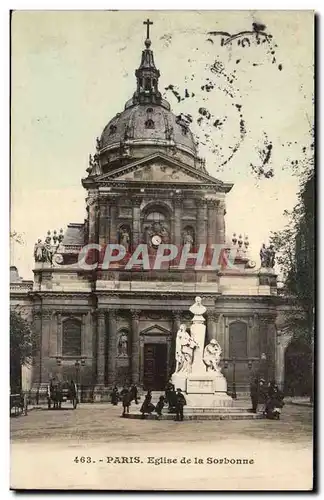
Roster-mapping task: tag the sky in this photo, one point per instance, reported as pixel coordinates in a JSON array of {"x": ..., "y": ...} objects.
[{"x": 72, "y": 71}]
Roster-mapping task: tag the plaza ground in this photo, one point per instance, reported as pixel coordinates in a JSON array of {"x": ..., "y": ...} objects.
[{"x": 44, "y": 445}]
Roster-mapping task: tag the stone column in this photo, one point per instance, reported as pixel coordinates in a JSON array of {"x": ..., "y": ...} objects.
[
  {"x": 37, "y": 327},
  {"x": 135, "y": 346},
  {"x": 136, "y": 229},
  {"x": 221, "y": 333},
  {"x": 59, "y": 337},
  {"x": 112, "y": 346},
  {"x": 47, "y": 316},
  {"x": 211, "y": 227},
  {"x": 281, "y": 346},
  {"x": 92, "y": 203},
  {"x": 83, "y": 333},
  {"x": 220, "y": 223},
  {"x": 201, "y": 222},
  {"x": 113, "y": 237},
  {"x": 101, "y": 334},
  {"x": 226, "y": 338},
  {"x": 176, "y": 321},
  {"x": 177, "y": 215},
  {"x": 211, "y": 326},
  {"x": 102, "y": 216},
  {"x": 271, "y": 347}
]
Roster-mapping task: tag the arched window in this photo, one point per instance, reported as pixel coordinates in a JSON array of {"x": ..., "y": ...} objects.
[
  {"x": 238, "y": 340},
  {"x": 112, "y": 129},
  {"x": 156, "y": 222},
  {"x": 149, "y": 111},
  {"x": 71, "y": 345},
  {"x": 149, "y": 123},
  {"x": 155, "y": 216}
]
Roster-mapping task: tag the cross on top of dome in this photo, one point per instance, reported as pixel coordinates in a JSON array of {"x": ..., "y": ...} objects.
[
  {"x": 148, "y": 24},
  {"x": 147, "y": 75}
]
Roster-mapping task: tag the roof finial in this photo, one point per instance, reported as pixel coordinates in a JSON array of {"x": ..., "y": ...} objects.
[{"x": 147, "y": 41}]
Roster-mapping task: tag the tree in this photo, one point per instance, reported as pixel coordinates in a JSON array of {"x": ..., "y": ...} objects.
[
  {"x": 296, "y": 259},
  {"x": 21, "y": 348}
]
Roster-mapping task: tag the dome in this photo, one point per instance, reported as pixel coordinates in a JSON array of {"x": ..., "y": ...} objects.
[
  {"x": 146, "y": 125},
  {"x": 148, "y": 122}
]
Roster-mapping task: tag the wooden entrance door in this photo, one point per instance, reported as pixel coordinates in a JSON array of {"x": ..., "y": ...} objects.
[{"x": 155, "y": 366}]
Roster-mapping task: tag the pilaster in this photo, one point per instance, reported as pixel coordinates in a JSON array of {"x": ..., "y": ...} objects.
[
  {"x": 135, "y": 366},
  {"x": 112, "y": 346}
]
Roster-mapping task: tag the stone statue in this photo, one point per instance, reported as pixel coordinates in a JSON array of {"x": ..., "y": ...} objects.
[
  {"x": 271, "y": 256},
  {"x": 98, "y": 144},
  {"x": 185, "y": 346},
  {"x": 148, "y": 233},
  {"x": 197, "y": 309},
  {"x": 122, "y": 348},
  {"x": 38, "y": 251},
  {"x": 94, "y": 165},
  {"x": 188, "y": 239},
  {"x": 211, "y": 356},
  {"x": 124, "y": 238},
  {"x": 48, "y": 251},
  {"x": 267, "y": 256},
  {"x": 263, "y": 255},
  {"x": 164, "y": 234}
]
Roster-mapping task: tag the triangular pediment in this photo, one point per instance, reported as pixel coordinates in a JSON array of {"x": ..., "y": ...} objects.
[
  {"x": 155, "y": 330},
  {"x": 160, "y": 168}
]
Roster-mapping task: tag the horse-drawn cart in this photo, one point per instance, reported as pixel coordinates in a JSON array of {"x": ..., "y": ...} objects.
[{"x": 62, "y": 392}]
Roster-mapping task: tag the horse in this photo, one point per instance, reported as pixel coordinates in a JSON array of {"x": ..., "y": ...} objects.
[{"x": 60, "y": 392}]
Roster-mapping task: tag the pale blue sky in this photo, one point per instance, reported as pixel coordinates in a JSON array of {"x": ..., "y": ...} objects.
[{"x": 73, "y": 71}]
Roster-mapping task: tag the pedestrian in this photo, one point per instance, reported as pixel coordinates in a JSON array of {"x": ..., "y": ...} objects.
[
  {"x": 254, "y": 393},
  {"x": 127, "y": 397},
  {"x": 115, "y": 396},
  {"x": 274, "y": 402},
  {"x": 172, "y": 400},
  {"x": 123, "y": 392},
  {"x": 147, "y": 406},
  {"x": 168, "y": 389},
  {"x": 134, "y": 393},
  {"x": 180, "y": 403},
  {"x": 160, "y": 405}
]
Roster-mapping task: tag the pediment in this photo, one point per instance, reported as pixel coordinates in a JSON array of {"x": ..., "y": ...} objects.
[
  {"x": 155, "y": 330},
  {"x": 161, "y": 168}
]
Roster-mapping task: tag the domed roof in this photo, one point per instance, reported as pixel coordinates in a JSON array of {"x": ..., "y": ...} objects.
[
  {"x": 148, "y": 122},
  {"x": 147, "y": 119}
]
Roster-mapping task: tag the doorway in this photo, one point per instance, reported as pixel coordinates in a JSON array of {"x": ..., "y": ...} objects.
[
  {"x": 298, "y": 369},
  {"x": 155, "y": 366}
]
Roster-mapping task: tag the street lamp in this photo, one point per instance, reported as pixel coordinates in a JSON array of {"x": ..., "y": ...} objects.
[
  {"x": 234, "y": 379},
  {"x": 78, "y": 365}
]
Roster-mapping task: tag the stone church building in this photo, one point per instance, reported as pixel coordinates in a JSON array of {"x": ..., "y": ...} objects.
[{"x": 147, "y": 184}]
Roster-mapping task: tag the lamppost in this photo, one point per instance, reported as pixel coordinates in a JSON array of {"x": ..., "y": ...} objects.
[
  {"x": 234, "y": 379},
  {"x": 78, "y": 373}
]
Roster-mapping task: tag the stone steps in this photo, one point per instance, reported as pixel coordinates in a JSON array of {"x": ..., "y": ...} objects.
[{"x": 201, "y": 416}]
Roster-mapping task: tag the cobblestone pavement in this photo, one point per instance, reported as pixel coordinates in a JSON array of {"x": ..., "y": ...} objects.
[{"x": 45, "y": 443}]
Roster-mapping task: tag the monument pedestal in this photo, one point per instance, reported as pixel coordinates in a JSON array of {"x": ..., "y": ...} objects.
[
  {"x": 198, "y": 374},
  {"x": 207, "y": 391}
]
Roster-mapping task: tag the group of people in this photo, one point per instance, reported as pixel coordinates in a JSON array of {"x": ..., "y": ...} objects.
[
  {"x": 172, "y": 398},
  {"x": 268, "y": 395},
  {"x": 126, "y": 396}
]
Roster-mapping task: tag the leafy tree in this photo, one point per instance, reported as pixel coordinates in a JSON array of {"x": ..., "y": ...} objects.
[
  {"x": 296, "y": 259},
  {"x": 21, "y": 348}
]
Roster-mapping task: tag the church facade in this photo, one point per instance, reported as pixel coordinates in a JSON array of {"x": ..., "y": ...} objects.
[{"x": 116, "y": 324}]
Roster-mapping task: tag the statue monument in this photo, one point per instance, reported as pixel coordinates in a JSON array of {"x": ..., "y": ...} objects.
[{"x": 197, "y": 371}]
